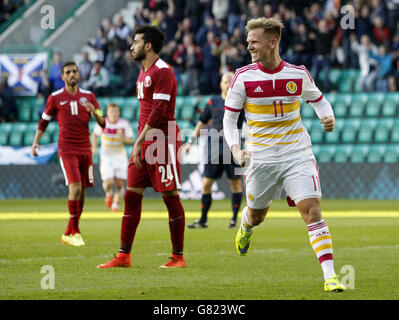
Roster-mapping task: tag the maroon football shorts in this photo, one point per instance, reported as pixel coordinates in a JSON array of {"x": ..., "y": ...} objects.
[
  {"x": 78, "y": 168},
  {"x": 160, "y": 168}
]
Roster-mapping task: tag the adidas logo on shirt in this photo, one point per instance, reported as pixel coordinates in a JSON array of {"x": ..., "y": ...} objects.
[{"x": 258, "y": 89}]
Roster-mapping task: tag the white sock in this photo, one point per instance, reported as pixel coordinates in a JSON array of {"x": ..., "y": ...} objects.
[{"x": 246, "y": 225}]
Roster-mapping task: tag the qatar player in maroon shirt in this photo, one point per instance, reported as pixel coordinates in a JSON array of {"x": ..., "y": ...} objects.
[
  {"x": 73, "y": 108},
  {"x": 155, "y": 157}
]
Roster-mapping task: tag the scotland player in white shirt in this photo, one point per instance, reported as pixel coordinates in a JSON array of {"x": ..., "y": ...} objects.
[
  {"x": 113, "y": 157},
  {"x": 279, "y": 152}
]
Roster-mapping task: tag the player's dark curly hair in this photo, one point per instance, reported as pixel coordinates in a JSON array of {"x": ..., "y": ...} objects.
[{"x": 152, "y": 35}]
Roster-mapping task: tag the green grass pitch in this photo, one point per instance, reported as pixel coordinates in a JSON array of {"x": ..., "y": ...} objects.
[{"x": 280, "y": 264}]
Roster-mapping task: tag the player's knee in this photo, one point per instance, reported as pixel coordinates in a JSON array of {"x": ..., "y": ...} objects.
[
  {"x": 310, "y": 210},
  {"x": 75, "y": 191},
  {"x": 235, "y": 186},
  {"x": 207, "y": 186}
]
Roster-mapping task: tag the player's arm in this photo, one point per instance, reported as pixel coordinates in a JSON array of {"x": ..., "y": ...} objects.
[
  {"x": 94, "y": 143},
  {"x": 94, "y": 109},
  {"x": 47, "y": 115},
  {"x": 233, "y": 106},
  {"x": 125, "y": 139},
  {"x": 322, "y": 107}
]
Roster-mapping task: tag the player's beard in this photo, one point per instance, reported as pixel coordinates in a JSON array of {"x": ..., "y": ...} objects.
[{"x": 140, "y": 55}]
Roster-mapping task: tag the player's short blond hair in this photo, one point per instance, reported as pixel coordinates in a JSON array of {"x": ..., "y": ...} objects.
[{"x": 273, "y": 26}]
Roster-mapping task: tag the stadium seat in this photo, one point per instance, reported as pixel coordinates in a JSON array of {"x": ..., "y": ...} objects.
[
  {"x": 307, "y": 112},
  {"x": 343, "y": 152},
  {"x": 366, "y": 130},
  {"x": 28, "y": 138},
  {"x": 335, "y": 136},
  {"x": 345, "y": 85},
  {"x": 103, "y": 102},
  {"x": 383, "y": 129},
  {"x": 358, "y": 105},
  {"x": 185, "y": 124},
  {"x": 128, "y": 113},
  {"x": 349, "y": 132},
  {"x": 186, "y": 112},
  {"x": 391, "y": 153},
  {"x": 326, "y": 153},
  {"x": 331, "y": 97},
  {"x": 24, "y": 112},
  {"x": 15, "y": 138},
  {"x": 359, "y": 153},
  {"x": 334, "y": 77},
  {"x": 19, "y": 127},
  {"x": 341, "y": 105},
  {"x": 390, "y": 105},
  {"x": 317, "y": 132},
  {"x": 135, "y": 129},
  {"x": 374, "y": 103},
  {"x": 376, "y": 153},
  {"x": 395, "y": 132}
]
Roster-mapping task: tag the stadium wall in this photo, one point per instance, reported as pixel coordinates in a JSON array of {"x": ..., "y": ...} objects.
[{"x": 338, "y": 180}]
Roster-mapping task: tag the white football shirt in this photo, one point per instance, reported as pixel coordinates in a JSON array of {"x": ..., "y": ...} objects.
[{"x": 271, "y": 99}]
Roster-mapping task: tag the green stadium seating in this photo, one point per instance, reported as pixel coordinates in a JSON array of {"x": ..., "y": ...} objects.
[
  {"x": 185, "y": 124},
  {"x": 128, "y": 112},
  {"x": 358, "y": 105},
  {"x": 391, "y": 154},
  {"x": 186, "y": 112},
  {"x": 359, "y": 153},
  {"x": 24, "y": 112},
  {"x": 390, "y": 105},
  {"x": 383, "y": 129},
  {"x": 326, "y": 153},
  {"x": 343, "y": 152},
  {"x": 366, "y": 130},
  {"x": 317, "y": 132},
  {"x": 374, "y": 103},
  {"x": 15, "y": 138},
  {"x": 28, "y": 138},
  {"x": 395, "y": 132},
  {"x": 307, "y": 111},
  {"x": 376, "y": 153},
  {"x": 350, "y": 130},
  {"x": 345, "y": 85},
  {"x": 333, "y": 137},
  {"x": 341, "y": 105},
  {"x": 204, "y": 101},
  {"x": 331, "y": 97},
  {"x": 135, "y": 129}
]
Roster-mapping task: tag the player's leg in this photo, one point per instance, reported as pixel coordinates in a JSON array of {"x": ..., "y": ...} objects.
[
  {"x": 137, "y": 181},
  {"x": 119, "y": 192},
  {"x": 263, "y": 184},
  {"x": 302, "y": 184},
  {"x": 206, "y": 202},
  {"x": 108, "y": 186},
  {"x": 176, "y": 227},
  {"x": 236, "y": 198}
]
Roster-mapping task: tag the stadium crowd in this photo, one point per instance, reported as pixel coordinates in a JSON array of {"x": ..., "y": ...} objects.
[{"x": 206, "y": 38}]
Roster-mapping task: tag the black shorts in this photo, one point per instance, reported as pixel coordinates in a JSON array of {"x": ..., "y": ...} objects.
[{"x": 215, "y": 171}]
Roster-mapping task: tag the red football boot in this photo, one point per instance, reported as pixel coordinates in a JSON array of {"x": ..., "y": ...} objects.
[
  {"x": 121, "y": 260},
  {"x": 176, "y": 261}
]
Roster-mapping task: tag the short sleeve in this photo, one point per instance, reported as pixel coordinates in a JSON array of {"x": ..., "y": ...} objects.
[
  {"x": 51, "y": 108},
  {"x": 163, "y": 85},
  {"x": 236, "y": 95},
  {"x": 206, "y": 115}
]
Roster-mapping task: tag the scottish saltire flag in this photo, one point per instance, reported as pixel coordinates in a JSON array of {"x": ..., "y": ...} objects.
[
  {"x": 23, "y": 155},
  {"x": 23, "y": 71}
]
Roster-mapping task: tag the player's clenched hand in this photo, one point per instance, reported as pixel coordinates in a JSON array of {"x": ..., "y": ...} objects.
[
  {"x": 35, "y": 147},
  {"x": 328, "y": 123},
  {"x": 90, "y": 108},
  {"x": 242, "y": 156},
  {"x": 136, "y": 155}
]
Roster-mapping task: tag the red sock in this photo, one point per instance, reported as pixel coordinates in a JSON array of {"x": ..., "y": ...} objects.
[
  {"x": 130, "y": 220},
  {"x": 73, "y": 207},
  {"x": 80, "y": 210},
  {"x": 176, "y": 222}
]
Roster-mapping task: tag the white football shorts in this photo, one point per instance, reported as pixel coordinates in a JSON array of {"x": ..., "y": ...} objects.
[
  {"x": 264, "y": 182},
  {"x": 113, "y": 166}
]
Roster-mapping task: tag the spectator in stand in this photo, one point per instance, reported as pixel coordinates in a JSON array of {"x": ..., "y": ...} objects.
[
  {"x": 194, "y": 13},
  {"x": 323, "y": 46},
  {"x": 220, "y": 10},
  {"x": 183, "y": 28},
  {"x": 180, "y": 54},
  {"x": 7, "y": 8},
  {"x": 44, "y": 89},
  {"x": 254, "y": 10},
  {"x": 366, "y": 64},
  {"x": 85, "y": 67},
  {"x": 164, "y": 22},
  {"x": 119, "y": 33},
  {"x": 209, "y": 25},
  {"x": 378, "y": 9},
  {"x": 192, "y": 67},
  {"x": 211, "y": 63},
  {"x": 98, "y": 81},
  {"x": 381, "y": 31},
  {"x": 8, "y": 110},
  {"x": 129, "y": 72},
  {"x": 55, "y": 75},
  {"x": 363, "y": 23},
  {"x": 100, "y": 44},
  {"x": 393, "y": 15},
  {"x": 393, "y": 79},
  {"x": 301, "y": 47},
  {"x": 384, "y": 62},
  {"x": 235, "y": 15}
]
